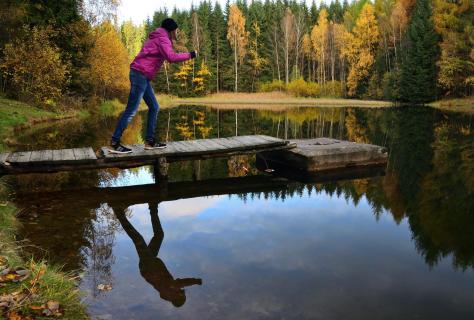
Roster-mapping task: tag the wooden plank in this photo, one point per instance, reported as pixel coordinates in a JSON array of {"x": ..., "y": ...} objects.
[
  {"x": 246, "y": 141},
  {"x": 161, "y": 152},
  {"x": 269, "y": 138},
  {"x": 46, "y": 156},
  {"x": 193, "y": 146},
  {"x": 63, "y": 156},
  {"x": 181, "y": 148},
  {"x": 35, "y": 156},
  {"x": 263, "y": 142},
  {"x": 20, "y": 157},
  {"x": 211, "y": 145},
  {"x": 254, "y": 141},
  {"x": 84, "y": 154},
  {"x": 4, "y": 157},
  {"x": 228, "y": 143}
]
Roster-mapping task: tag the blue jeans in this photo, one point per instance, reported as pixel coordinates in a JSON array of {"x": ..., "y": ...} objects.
[{"x": 140, "y": 87}]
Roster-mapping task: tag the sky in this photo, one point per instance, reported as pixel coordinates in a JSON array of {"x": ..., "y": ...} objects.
[{"x": 139, "y": 10}]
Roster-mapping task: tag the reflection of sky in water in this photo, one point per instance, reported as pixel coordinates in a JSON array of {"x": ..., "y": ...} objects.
[
  {"x": 314, "y": 257},
  {"x": 140, "y": 175}
]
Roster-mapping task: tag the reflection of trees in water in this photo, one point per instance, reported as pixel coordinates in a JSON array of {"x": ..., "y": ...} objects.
[
  {"x": 240, "y": 166},
  {"x": 101, "y": 237},
  {"x": 430, "y": 177},
  {"x": 429, "y": 180}
]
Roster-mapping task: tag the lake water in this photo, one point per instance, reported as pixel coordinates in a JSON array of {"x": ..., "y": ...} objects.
[{"x": 392, "y": 246}]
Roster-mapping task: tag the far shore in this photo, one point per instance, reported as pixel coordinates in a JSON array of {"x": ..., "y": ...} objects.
[
  {"x": 281, "y": 100},
  {"x": 267, "y": 100}
]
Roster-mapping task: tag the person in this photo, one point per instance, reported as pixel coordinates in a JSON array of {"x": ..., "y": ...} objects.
[
  {"x": 155, "y": 51},
  {"x": 151, "y": 267}
]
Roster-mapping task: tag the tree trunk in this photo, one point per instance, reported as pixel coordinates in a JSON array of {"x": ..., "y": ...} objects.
[
  {"x": 276, "y": 53},
  {"x": 235, "y": 60},
  {"x": 217, "y": 63},
  {"x": 167, "y": 79}
]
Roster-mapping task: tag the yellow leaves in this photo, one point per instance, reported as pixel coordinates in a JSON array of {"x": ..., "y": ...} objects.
[
  {"x": 256, "y": 60},
  {"x": 236, "y": 33},
  {"x": 184, "y": 72},
  {"x": 34, "y": 66},
  {"x": 319, "y": 35},
  {"x": 201, "y": 78},
  {"x": 109, "y": 61},
  {"x": 361, "y": 50},
  {"x": 306, "y": 45}
]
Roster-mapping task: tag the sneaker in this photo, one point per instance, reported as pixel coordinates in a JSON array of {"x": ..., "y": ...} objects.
[
  {"x": 150, "y": 145},
  {"x": 118, "y": 148}
]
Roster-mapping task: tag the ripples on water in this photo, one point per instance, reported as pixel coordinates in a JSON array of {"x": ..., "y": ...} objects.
[{"x": 386, "y": 247}]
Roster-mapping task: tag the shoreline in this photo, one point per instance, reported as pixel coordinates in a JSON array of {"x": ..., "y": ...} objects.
[
  {"x": 281, "y": 101},
  {"x": 44, "y": 286}
]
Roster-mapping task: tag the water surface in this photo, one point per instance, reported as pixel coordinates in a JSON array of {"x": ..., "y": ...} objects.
[{"x": 223, "y": 241}]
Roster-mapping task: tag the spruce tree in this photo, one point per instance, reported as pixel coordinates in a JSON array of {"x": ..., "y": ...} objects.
[{"x": 418, "y": 79}]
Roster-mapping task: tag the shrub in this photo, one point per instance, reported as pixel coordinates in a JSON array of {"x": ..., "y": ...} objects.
[
  {"x": 32, "y": 64},
  {"x": 111, "y": 108},
  {"x": 275, "y": 85},
  {"x": 333, "y": 89},
  {"x": 301, "y": 88}
]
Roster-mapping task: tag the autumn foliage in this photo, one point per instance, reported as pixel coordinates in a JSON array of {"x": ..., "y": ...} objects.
[
  {"x": 109, "y": 62},
  {"x": 33, "y": 65}
]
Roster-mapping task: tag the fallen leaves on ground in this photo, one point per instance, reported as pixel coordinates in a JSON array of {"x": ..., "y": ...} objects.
[
  {"x": 49, "y": 309},
  {"x": 14, "y": 275},
  {"x": 11, "y": 302},
  {"x": 104, "y": 287}
]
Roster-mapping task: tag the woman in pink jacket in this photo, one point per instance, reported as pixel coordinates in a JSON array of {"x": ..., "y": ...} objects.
[{"x": 143, "y": 69}]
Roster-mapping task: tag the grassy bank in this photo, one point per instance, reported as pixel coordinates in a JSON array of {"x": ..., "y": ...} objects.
[
  {"x": 16, "y": 114},
  {"x": 45, "y": 289},
  {"x": 459, "y": 105},
  {"x": 268, "y": 99}
]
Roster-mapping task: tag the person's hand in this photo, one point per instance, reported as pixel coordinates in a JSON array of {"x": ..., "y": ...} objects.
[{"x": 193, "y": 54}]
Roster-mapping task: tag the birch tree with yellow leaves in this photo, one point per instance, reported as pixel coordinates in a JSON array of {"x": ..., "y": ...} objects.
[
  {"x": 289, "y": 39},
  {"x": 319, "y": 38},
  {"x": 237, "y": 37}
]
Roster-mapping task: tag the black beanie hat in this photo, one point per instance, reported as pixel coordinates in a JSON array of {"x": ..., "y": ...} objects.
[{"x": 169, "y": 24}]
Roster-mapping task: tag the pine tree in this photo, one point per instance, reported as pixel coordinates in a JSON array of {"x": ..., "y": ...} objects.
[{"x": 419, "y": 66}]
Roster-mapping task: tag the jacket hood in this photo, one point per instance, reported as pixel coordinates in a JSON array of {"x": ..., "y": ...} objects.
[{"x": 158, "y": 33}]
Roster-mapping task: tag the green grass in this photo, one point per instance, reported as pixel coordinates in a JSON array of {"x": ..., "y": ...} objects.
[
  {"x": 14, "y": 113},
  {"x": 52, "y": 285}
]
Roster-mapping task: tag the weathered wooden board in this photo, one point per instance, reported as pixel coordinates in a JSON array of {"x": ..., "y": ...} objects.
[
  {"x": 85, "y": 158},
  {"x": 4, "y": 157},
  {"x": 63, "y": 155},
  {"x": 322, "y": 154},
  {"x": 84, "y": 155},
  {"x": 19, "y": 157},
  {"x": 190, "y": 148}
]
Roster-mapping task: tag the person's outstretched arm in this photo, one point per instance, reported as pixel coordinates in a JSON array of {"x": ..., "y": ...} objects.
[
  {"x": 186, "y": 282},
  {"x": 166, "y": 49}
]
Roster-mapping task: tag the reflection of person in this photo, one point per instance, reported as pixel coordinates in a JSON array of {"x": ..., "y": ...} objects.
[
  {"x": 143, "y": 69},
  {"x": 151, "y": 267}
]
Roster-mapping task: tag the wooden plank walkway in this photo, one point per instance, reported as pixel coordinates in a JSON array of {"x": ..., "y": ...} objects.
[{"x": 86, "y": 158}]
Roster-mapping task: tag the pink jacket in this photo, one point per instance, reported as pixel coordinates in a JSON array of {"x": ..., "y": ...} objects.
[{"x": 155, "y": 51}]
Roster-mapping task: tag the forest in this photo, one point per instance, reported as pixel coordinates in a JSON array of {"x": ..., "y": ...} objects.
[{"x": 75, "y": 52}]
